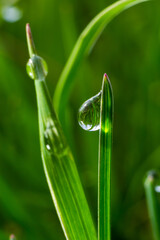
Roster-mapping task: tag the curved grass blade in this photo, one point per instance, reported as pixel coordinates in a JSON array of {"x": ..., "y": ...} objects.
[
  {"x": 104, "y": 166},
  {"x": 60, "y": 169},
  {"x": 150, "y": 183},
  {"x": 87, "y": 38}
]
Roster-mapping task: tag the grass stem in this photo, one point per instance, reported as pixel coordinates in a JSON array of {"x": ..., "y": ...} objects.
[{"x": 104, "y": 172}]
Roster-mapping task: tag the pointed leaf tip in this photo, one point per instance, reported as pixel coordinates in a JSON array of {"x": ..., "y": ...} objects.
[
  {"x": 28, "y": 30},
  {"x": 12, "y": 237},
  {"x": 30, "y": 42},
  {"x": 151, "y": 176},
  {"x": 105, "y": 75},
  {"x": 106, "y": 78}
]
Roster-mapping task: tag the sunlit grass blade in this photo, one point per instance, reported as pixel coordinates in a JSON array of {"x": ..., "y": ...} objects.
[
  {"x": 60, "y": 169},
  {"x": 87, "y": 38},
  {"x": 104, "y": 168},
  {"x": 151, "y": 184}
]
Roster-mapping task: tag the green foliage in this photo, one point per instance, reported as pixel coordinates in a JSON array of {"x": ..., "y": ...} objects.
[
  {"x": 84, "y": 43},
  {"x": 68, "y": 197},
  {"x": 129, "y": 51}
]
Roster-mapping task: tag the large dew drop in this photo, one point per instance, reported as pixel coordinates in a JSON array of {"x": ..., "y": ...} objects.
[
  {"x": 89, "y": 113},
  {"x": 37, "y": 68}
]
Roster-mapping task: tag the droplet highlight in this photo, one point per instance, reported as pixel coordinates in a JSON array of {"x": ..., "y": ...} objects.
[
  {"x": 37, "y": 68},
  {"x": 89, "y": 113}
]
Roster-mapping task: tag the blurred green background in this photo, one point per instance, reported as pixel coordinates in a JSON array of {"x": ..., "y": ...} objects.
[{"x": 129, "y": 51}]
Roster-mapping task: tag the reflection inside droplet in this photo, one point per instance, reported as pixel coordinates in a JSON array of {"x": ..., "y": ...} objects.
[
  {"x": 89, "y": 113},
  {"x": 29, "y": 68},
  {"x": 52, "y": 139},
  {"x": 157, "y": 188},
  {"x": 48, "y": 147},
  {"x": 11, "y": 13}
]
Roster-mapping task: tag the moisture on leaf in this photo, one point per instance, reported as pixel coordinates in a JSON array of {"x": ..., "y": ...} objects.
[
  {"x": 89, "y": 113},
  {"x": 37, "y": 68}
]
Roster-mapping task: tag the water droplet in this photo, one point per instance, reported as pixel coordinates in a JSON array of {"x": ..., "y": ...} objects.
[
  {"x": 11, "y": 13},
  {"x": 53, "y": 141},
  {"x": 37, "y": 68},
  {"x": 157, "y": 188},
  {"x": 89, "y": 113}
]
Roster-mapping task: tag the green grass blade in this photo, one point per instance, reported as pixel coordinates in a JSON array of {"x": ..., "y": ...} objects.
[
  {"x": 152, "y": 202},
  {"x": 87, "y": 38},
  {"x": 104, "y": 168},
  {"x": 60, "y": 169}
]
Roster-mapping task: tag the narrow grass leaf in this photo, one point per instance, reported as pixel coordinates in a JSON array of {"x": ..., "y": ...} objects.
[
  {"x": 84, "y": 43},
  {"x": 60, "y": 169},
  {"x": 151, "y": 184},
  {"x": 104, "y": 167}
]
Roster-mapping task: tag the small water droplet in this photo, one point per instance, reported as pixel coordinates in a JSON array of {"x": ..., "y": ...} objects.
[
  {"x": 157, "y": 188},
  {"x": 89, "y": 113},
  {"x": 52, "y": 139},
  {"x": 37, "y": 68},
  {"x": 48, "y": 146}
]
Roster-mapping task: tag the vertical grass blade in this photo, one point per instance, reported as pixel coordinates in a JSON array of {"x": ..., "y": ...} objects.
[
  {"x": 87, "y": 39},
  {"x": 152, "y": 202},
  {"x": 104, "y": 171},
  {"x": 59, "y": 166}
]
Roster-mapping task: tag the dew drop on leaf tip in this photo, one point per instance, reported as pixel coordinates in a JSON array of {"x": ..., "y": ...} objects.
[{"x": 89, "y": 113}]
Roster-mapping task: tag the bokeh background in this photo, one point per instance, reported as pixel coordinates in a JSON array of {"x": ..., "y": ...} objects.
[{"x": 129, "y": 51}]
